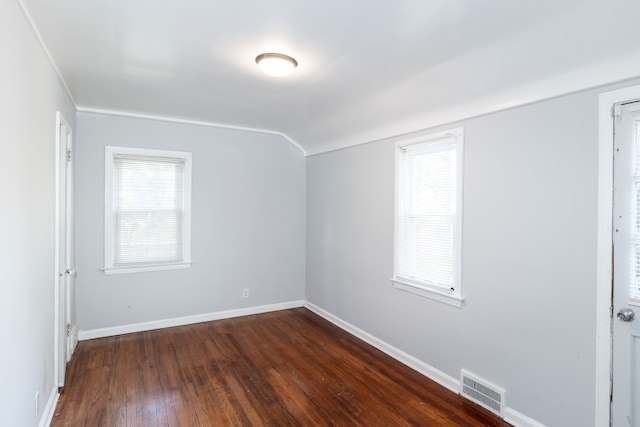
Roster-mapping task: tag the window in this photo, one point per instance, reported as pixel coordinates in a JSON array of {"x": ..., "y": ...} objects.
[
  {"x": 428, "y": 220},
  {"x": 147, "y": 210}
]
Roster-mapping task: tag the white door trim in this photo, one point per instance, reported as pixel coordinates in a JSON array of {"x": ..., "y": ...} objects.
[
  {"x": 604, "y": 257},
  {"x": 56, "y": 257},
  {"x": 60, "y": 307}
]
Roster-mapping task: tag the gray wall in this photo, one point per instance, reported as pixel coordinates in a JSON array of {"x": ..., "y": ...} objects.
[
  {"x": 529, "y": 240},
  {"x": 529, "y": 256},
  {"x": 248, "y": 223},
  {"x": 30, "y": 96}
]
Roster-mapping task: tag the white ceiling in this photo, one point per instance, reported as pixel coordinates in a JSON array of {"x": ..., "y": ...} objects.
[{"x": 368, "y": 69}]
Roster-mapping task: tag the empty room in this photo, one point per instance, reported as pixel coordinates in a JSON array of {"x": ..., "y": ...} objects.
[{"x": 307, "y": 213}]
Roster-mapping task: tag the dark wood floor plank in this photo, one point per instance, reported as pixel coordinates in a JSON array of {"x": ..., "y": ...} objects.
[
  {"x": 354, "y": 380},
  {"x": 287, "y": 368}
]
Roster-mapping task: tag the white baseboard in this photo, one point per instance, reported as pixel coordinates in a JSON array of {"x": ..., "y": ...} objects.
[
  {"x": 50, "y": 408},
  {"x": 511, "y": 416},
  {"x": 187, "y": 320},
  {"x": 520, "y": 420},
  {"x": 425, "y": 369}
]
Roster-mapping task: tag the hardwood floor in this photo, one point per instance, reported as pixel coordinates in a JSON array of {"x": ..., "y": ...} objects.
[{"x": 286, "y": 368}]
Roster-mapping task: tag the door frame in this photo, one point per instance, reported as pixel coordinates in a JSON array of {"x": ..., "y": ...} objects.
[
  {"x": 604, "y": 281},
  {"x": 61, "y": 307}
]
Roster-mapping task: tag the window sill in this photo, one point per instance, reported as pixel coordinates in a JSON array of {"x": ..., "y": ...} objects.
[
  {"x": 145, "y": 268},
  {"x": 433, "y": 294}
]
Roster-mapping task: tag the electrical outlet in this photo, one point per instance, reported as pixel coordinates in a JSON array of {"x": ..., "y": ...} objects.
[
  {"x": 245, "y": 293},
  {"x": 37, "y": 402}
]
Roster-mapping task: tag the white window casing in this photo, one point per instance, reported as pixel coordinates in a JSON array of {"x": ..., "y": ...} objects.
[
  {"x": 428, "y": 216},
  {"x": 147, "y": 210}
]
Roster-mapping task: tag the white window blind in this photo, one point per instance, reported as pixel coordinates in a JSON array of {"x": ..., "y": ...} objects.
[
  {"x": 634, "y": 288},
  {"x": 427, "y": 213},
  {"x": 147, "y": 216},
  {"x": 428, "y": 216},
  {"x": 147, "y": 209}
]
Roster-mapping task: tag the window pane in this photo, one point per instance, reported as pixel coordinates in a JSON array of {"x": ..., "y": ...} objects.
[
  {"x": 434, "y": 182},
  {"x": 148, "y": 205},
  {"x": 427, "y": 213},
  {"x": 428, "y": 251},
  {"x": 148, "y": 236}
]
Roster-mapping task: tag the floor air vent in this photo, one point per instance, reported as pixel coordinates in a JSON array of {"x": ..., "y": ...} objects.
[{"x": 482, "y": 392}]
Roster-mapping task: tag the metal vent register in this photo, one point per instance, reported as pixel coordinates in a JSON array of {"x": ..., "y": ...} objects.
[{"x": 482, "y": 392}]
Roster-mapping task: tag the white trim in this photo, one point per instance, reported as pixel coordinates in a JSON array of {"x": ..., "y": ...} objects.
[
  {"x": 457, "y": 133},
  {"x": 604, "y": 260},
  {"x": 56, "y": 256},
  {"x": 186, "y": 320},
  {"x": 520, "y": 420},
  {"x": 425, "y": 369},
  {"x": 511, "y": 415},
  {"x": 433, "y": 294},
  {"x": 455, "y": 137},
  {"x": 110, "y": 153},
  {"x": 147, "y": 267},
  {"x": 50, "y": 409},
  {"x": 189, "y": 122},
  {"x": 59, "y": 277},
  {"x": 53, "y": 64}
]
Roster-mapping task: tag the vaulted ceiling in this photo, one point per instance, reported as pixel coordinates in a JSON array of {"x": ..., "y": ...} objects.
[{"x": 368, "y": 69}]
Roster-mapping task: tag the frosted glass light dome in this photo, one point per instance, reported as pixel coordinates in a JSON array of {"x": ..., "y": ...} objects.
[{"x": 276, "y": 64}]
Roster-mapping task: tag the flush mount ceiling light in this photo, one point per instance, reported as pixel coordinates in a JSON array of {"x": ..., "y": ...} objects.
[{"x": 276, "y": 64}]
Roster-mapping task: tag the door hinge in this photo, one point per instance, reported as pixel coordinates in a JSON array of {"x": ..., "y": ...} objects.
[
  {"x": 68, "y": 155},
  {"x": 68, "y": 329}
]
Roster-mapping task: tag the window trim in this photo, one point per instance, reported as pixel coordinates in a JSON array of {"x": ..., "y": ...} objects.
[
  {"x": 109, "y": 239},
  {"x": 454, "y": 298}
]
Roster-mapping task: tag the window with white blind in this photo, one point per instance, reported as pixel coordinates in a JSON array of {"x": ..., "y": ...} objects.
[
  {"x": 147, "y": 210},
  {"x": 428, "y": 219},
  {"x": 634, "y": 287}
]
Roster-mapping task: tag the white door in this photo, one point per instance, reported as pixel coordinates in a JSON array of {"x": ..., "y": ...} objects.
[
  {"x": 65, "y": 248},
  {"x": 625, "y": 404},
  {"x": 71, "y": 337}
]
